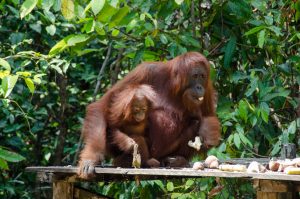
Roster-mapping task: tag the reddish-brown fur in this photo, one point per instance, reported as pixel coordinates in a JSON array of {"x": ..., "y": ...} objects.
[
  {"x": 125, "y": 130},
  {"x": 171, "y": 124}
]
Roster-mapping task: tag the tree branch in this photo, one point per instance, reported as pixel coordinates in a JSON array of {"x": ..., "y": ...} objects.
[{"x": 99, "y": 77}]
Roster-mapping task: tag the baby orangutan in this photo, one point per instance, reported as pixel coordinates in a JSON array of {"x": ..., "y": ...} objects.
[{"x": 128, "y": 120}]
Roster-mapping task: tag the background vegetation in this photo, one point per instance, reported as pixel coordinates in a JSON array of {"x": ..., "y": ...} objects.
[{"x": 57, "y": 56}]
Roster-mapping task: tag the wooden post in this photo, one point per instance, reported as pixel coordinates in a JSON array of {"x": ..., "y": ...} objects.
[
  {"x": 63, "y": 190},
  {"x": 270, "y": 189}
]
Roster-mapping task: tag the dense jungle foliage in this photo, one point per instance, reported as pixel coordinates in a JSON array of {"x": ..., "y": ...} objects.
[{"x": 57, "y": 56}]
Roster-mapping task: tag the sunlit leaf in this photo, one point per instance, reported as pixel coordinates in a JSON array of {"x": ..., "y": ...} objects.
[
  {"x": 67, "y": 9},
  {"x": 179, "y": 1},
  {"x": 24, "y": 74},
  {"x": 27, "y": 7},
  {"x": 237, "y": 140},
  {"x": 30, "y": 84},
  {"x": 170, "y": 186},
  {"x": 51, "y": 29},
  {"x": 8, "y": 84},
  {"x": 5, "y": 64},
  {"x": 97, "y": 6}
]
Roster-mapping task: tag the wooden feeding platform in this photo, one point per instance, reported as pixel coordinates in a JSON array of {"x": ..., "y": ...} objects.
[{"x": 268, "y": 184}]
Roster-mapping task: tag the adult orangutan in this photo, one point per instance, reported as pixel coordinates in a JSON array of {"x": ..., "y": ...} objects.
[
  {"x": 128, "y": 121},
  {"x": 184, "y": 109}
]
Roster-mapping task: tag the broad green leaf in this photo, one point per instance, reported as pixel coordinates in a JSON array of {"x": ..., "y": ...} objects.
[
  {"x": 75, "y": 39},
  {"x": 229, "y": 51},
  {"x": 261, "y": 38},
  {"x": 67, "y": 9},
  {"x": 188, "y": 184},
  {"x": 106, "y": 13},
  {"x": 245, "y": 140},
  {"x": 276, "y": 148},
  {"x": 10, "y": 156},
  {"x": 60, "y": 46},
  {"x": 57, "y": 68},
  {"x": 47, "y": 4},
  {"x": 97, "y": 6},
  {"x": 27, "y": 7},
  {"x": 254, "y": 30},
  {"x": 37, "y": 78},
  {"x": 237, "y": 140},
  {"x": 265, "y": 111},
  {"x": 51, "y": 29},
  {"x": 243, "y": 111},
  {"x": 115, "y": 20},
  {"x": 253, "y": 87},
  {"x": 269, "y": 97},
  {"x": 5, "y": 64},
  {"x": 30, "y": 84},
  {"x": 8, "y": 83},
  {"x": 3, "y": 164},
  {"x": 149, "y": 42},
  {"x": 179, "y": 1},
  {"x": 170, "y": 186},
  {"x": 115, "y": 32},
  {"x": 89, "y": 26},
  {"x": 131, "y": 25},
  {"x": 24, "y": 74},
  {"x": 163, "y": 39}
]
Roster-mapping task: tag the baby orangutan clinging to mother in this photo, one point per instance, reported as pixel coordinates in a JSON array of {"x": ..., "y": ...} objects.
[{"x": 128, "y": 121}]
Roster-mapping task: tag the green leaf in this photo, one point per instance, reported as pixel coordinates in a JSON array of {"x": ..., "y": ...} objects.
[
  {"x": 170, "y": 186},
  {"x": 51, "y": 29},
  {"x": 8, "y": 84},
  {"x": 115, "y": 32},
  {"x": 57, "y": 68},
  {"x": 5, "y": 64},
  {"x": 237, "y": 140},
  {"x": 10, "y": 156},
  {"x": 47, "y": 4},
  {"x": 179, "y": 1},
  {"x": 119, "y": 16},
  {"x": 254, "y": 30},
  {"x": 276, "y": 148},
  {"x": 244, "y": 139},
  {"x": 265, "y": 111},
  {"x": 30, "y": 84},
  {"x": 3, "y": 164},
  {"x": 27, "y": 7},
  {"x": 188, "y": 184},
  {"x": 163, "y": 39},
  {"x": 97, "y": 6},
  {"x": 75, "y": 39},
  {"x": 292, "y": 128},
  {"x": 243, "y": 110},
  {"x": 24, "y": 74},
  {"x": 261, "y": 38},
  {"x": 37, "y": 78},
  {"x": 106, "y": 13},
  {"x": 229, "y": 51},
  {"x": 131, "y": 25},
  {"x": 67, "y": 9},
  {"x": 60, "y": 46},
  {"x": 148, "y": 41},
  {"x": 284, "y": 94}
]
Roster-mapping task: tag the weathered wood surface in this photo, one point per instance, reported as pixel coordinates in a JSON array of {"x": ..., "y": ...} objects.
[{"x": 127, "y": 173}]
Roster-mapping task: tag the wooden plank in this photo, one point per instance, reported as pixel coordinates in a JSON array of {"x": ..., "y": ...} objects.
[
  {"x": 166, "y": 173},
  {"x": 62, "y": 190},
  {"x": 84, "y": 194},
  {"x": 269, "y": 189}
]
